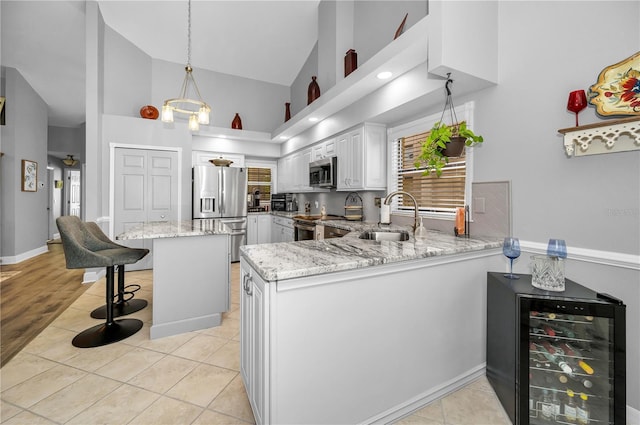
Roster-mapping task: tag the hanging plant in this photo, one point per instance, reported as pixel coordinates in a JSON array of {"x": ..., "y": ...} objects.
[{"x": 445, "y": 140}]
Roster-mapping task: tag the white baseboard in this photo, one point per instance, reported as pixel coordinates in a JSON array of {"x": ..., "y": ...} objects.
[
  {"x": 92, "y": 275},
  {"x": 410, "y": 406},
  {"x": 15, "y": 259},
  {"x": 633, "y": 416}
]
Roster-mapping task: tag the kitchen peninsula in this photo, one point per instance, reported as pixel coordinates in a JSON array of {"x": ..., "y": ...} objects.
[
  {"x": 360, "y": 331},
  {"x": 191, "y": 273}
]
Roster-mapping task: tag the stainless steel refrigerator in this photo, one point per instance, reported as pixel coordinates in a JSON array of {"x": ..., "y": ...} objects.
[{"x": 221, "y": 193}]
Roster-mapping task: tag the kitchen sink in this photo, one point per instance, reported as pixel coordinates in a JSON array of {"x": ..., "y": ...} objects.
[{"x": 385, "y": 235}]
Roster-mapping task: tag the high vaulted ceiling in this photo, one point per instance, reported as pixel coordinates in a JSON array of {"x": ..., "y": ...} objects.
[{"x": 263, "y": 40}]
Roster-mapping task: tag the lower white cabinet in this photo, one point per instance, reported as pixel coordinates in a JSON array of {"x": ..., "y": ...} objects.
[
  {"x": 258, "y": 229},
  {"x": 254, "y": 346},
  {"x": 282, "y": 229},
  {"x": 321, "y": 349}
]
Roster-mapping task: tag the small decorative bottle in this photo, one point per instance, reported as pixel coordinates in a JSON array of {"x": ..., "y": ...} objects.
[
  {"x": 237, "y": 122},
  {"x": 314, "y": 90},
  {"x": 546, "y": 406},
  {"x": 582, "y": 412},
  {"x": 570, "y": 408},
  {"x": 287, "y": 111}
]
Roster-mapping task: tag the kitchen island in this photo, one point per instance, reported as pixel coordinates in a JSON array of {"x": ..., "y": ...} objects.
[
  {"x": 359, "y": 331},
  {"x": 191, "y": 273}
]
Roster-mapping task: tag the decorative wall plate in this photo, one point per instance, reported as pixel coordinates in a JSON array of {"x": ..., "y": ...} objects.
[
  {"x": 149, "y": 112},
  {"x": 617, "y": 91}
]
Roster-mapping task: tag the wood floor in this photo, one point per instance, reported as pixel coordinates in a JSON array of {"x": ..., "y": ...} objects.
[{"x": 31, "y": 299}]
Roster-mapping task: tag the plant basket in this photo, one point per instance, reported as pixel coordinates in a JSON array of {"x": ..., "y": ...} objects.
[{"x": 454, "y": 147}]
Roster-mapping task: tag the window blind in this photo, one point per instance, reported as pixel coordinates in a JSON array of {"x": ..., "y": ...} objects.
[
  {"x": 260, "y": 178},
  {"x": 433, "y": 194}
]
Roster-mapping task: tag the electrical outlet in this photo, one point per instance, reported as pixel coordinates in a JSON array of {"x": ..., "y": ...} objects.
[{"x": 378, "y": 201}]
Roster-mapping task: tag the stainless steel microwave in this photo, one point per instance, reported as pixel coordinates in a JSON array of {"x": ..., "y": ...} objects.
[{"x": 323, "y": 173}]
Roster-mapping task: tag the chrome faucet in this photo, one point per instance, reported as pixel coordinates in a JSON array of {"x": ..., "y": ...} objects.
[{"x": 387, "y": 201}]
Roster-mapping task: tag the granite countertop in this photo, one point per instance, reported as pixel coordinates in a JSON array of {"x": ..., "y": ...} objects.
[
  {"x": 174, "y": 229},
  {"x": 288, "y": 260}
]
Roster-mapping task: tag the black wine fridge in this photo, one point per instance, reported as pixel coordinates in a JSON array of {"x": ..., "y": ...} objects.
[{"x": 556, "y": 357}]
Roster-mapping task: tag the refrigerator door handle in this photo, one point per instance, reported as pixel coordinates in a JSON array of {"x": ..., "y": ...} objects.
[{"x": 221, "y": 192}]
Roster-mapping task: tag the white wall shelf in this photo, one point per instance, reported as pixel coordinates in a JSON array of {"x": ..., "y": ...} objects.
[{"x": 605, "y": 137}]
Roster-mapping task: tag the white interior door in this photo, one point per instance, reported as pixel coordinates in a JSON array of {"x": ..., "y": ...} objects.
[
  {"x": 72, "y": 192},
  {"x": 145, "y": 189}
]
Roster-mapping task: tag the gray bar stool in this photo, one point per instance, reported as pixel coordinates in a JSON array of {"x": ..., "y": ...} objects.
[
  {"x": 121, "y": 306},
  {"x": 83, "y": 250}
]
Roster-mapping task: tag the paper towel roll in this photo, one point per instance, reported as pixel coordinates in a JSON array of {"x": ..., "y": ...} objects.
[{"x": 385, "y": 214}]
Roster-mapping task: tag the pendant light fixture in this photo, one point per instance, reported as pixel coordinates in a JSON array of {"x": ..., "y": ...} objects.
[
  {"x": 69, "y": 161},
  {"x": 196, "y": 109}
]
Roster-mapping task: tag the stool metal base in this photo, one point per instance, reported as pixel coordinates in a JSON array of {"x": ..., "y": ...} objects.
[
  {"x": 106, "y": 333},
  {"x": 120, "y": 309}
]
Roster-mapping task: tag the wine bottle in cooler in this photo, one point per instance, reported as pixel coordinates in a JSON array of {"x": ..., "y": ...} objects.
[{"x": 570, "y": 408}]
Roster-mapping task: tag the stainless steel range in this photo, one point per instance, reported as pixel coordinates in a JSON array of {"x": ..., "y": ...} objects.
[{"x": 305, "y": 226}]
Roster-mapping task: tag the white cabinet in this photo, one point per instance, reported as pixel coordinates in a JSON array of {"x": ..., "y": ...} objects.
[
  {"x": 323, "y": 150},
  {"x": 362, "y": 158},
  {"x": 258, "y": 229},
  {"x": 285, "y": 174},
  {"x": 293, "y": 172},
  {"x": 282, "y": 229},
  {"x": 254, "y": 344}
]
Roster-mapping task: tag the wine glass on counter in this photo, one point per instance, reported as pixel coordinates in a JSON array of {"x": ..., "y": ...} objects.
[
  {"x": 557, "y": 248},
  {"x": 511, "y": 250}
]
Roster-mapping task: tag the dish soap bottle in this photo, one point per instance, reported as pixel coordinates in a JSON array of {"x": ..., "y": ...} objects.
[{"x": 421, "y": 231}]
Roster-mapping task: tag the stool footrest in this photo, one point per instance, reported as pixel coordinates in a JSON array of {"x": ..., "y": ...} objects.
[
  {"x": 104, "y": 334},
  {"x": 120, "y": 309}
]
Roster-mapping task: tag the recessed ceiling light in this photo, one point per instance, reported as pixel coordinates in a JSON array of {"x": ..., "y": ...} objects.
[
  {"x": 283, "y": 137},
  {"x": 222, "y": 136},
  {"x": 384, "y": 75},
  {"x": 313, "y": 119}
]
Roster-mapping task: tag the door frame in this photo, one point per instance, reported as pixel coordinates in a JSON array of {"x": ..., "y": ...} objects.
[{"x": 112, "y": 177}]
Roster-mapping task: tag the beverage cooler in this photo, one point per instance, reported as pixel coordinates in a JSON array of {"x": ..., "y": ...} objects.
[{"x": 555, "y": 357}]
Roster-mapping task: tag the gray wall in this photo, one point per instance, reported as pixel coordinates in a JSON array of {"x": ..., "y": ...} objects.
[
  {"x": 64, "y": 141},
  {"x": 127, "y": 81},
  {"x": 376, "y": 22},
  {"x": 24, "y": 214},
  {"x": 301, "y": 83},
  {"x": 555, "y": 196}
]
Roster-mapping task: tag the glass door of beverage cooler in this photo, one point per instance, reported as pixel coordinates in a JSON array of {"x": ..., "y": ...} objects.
[{"x": 576, "y": 361}]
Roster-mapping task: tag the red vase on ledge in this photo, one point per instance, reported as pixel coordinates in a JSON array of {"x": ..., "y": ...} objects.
[
  {"x": 314, "y": 90},
  {"x": 236, "y": 123},
  {"x": 287, "y": 111}
]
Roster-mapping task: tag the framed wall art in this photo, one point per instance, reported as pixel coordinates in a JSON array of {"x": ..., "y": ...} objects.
[{"x": 29, "y": 176}]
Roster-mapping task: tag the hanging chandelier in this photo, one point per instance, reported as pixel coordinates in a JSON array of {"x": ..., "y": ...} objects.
[
  {"x": 196, "y": 109},
  {"x": 69, "y": 161}
]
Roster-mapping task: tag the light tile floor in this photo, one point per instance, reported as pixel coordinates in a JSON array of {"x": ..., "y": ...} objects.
[{"x": 191, "y": 378}]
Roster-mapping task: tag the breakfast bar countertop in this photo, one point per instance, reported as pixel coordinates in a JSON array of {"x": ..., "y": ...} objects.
[
  {"x": 288, "y": 260},
  {"x": 175, "y": 229}
]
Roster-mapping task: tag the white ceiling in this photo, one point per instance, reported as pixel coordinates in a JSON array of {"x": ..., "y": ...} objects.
[{"x": 263, "y": 40}]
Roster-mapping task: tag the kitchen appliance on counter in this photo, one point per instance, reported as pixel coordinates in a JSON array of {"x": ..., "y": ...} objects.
[
  {"x": 283, "y": 202},
  {"x": 323, "y": 172},
  {"x": 555, "y": 357},
  {"x": 221, "y": 192}
]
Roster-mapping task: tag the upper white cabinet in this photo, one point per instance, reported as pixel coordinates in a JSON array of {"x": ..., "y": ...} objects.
[
  {"x": 323, "y": 150},
  {"x": 362, "y": 159}
]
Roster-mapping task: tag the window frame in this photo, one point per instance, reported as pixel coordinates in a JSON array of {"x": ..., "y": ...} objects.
[
  {"x": 261, "y": 163},
  {"x": 464, "y": 112}
]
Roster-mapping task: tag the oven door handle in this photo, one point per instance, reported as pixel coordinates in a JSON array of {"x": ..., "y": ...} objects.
[{"x": 305, "y": 227}]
